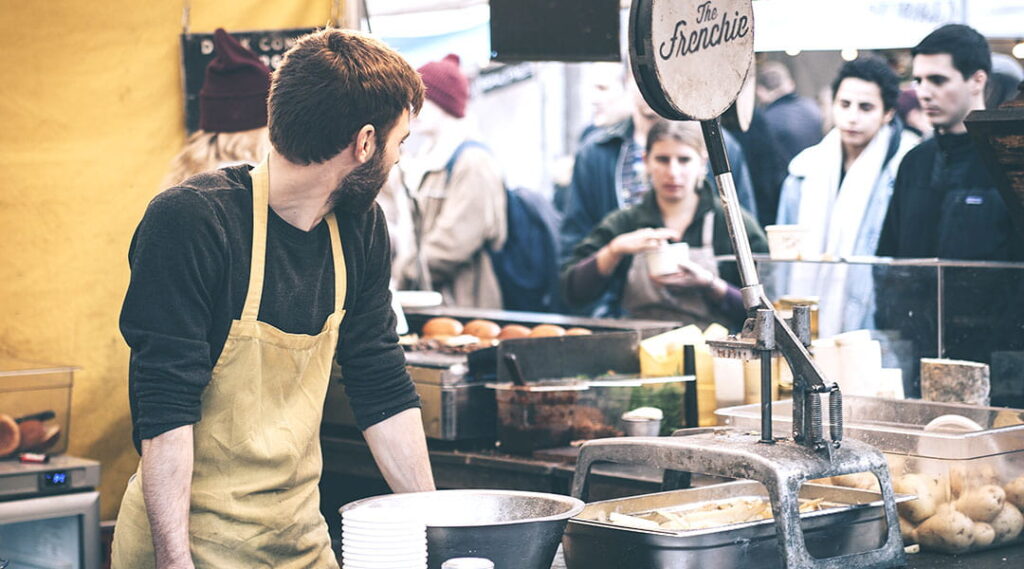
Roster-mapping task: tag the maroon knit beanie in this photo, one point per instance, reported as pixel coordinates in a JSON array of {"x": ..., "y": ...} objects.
[
  {"x": 234, "y": 93},
  {"x": 446, "y": 86}
]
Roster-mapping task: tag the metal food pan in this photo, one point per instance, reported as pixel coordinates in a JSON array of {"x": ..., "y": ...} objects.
[{"x": 856, "y": 525}]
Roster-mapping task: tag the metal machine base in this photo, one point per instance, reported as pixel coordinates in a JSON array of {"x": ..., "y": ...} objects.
[{"x": 782, "y": 467}]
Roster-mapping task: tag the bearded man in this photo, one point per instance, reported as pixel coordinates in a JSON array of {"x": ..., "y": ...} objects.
[{"x": 245, "y": 283}]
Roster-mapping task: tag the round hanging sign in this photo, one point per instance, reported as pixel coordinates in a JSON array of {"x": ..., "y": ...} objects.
[{"x": 690, "y": 57}]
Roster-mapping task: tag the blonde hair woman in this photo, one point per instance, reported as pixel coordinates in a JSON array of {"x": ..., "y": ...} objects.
[{"x": 232, "y": 113}]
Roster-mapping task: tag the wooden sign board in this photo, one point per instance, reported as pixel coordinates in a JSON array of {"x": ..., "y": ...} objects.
[
  {"x": 197, "y": 51},
  {"x": 690, "y": 57}
]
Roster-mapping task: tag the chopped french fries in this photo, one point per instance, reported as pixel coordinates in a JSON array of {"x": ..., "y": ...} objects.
[{"x": 706, "y": 515}]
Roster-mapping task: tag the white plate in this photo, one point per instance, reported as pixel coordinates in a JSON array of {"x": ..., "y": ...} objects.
[
  {"x": 383, "y": 527},
  {"x": 350, "y": 529},
  {"x": 388, "y": 538},
  {"x": 418, "y": 298},
  {"x": 404, "y": 564},
  {"x": 385, "y": 554},
  {"x": 379, "y": 515},
  {"x": 372, "y": 556}
]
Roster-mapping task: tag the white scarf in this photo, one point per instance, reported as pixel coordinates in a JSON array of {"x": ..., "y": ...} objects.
[{"x": 833, "y": 213}]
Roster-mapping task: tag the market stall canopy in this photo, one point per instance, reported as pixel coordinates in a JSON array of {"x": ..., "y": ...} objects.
[
  {"x": 425, "y": 30},
  {"x": 876, "y": 24}
]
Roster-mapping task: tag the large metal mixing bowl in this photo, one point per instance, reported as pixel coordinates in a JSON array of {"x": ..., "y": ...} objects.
[{"x": 515, "y": 530}]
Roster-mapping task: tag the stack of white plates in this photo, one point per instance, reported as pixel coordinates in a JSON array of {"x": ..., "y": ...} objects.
[{"x": 382, "y": 538}]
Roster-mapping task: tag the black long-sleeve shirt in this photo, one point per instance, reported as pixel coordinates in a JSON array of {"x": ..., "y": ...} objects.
[{"x": 190, "y": 258}]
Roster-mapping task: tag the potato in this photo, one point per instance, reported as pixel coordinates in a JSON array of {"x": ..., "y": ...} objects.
[
  {"x": 909, "y": 531},
  {"x": 984, "y": 535},
  {"x": 964, "y": 479},
  {"x": 897, "y": 464},
  {"x": 1015, "y": 492},
  {"x": 925, "y": 488},
  {"x": 982, "y": 504},
  {"x": 1007, "y": 523},
  {"x": 859, "y": 480},
  {"x": 950, "y": 531}
]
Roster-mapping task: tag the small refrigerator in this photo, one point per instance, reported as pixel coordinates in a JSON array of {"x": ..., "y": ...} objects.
[{"x": 49, "y": 514}]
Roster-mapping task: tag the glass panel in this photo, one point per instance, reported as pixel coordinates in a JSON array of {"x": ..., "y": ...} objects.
[
  {"x": 53, "y": 543},
  {"x": 970, "y": 310},
  {"x": 983, "y": 321}
]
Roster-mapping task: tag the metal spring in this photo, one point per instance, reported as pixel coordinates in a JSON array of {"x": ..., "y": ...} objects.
[
  {"x": 835, "y": 415},
  {"x": 815, "y": 401}
]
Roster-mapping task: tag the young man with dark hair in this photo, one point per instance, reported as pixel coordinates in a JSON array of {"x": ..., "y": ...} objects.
[
  {"x": 838, "y": 190},
  {"x": 945, "y": 204},
  {"x": 794, "y": 121},
  {"x": 246, "y": 283}
]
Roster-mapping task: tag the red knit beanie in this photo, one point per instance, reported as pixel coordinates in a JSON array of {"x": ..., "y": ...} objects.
[
  {"x": 446, "y": 86},
  {"x": 234, "y": 93}
]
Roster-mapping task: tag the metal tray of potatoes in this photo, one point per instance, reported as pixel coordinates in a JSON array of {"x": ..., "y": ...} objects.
[{"x": 850, "y": 521}]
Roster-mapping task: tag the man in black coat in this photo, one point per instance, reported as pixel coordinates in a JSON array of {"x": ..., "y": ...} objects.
[{"x": 945, "y": 204}]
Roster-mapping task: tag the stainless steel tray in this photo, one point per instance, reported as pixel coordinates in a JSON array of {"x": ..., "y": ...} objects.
[{"x": 857, "y": 525}]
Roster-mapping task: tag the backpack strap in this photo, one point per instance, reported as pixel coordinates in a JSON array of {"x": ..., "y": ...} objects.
[{"x": 450, "y": 165}]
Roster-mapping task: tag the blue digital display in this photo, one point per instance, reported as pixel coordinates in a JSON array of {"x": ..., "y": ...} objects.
[{"x": 55, "y": 479}]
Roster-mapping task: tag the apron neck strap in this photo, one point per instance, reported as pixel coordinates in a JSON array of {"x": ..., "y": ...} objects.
[
  {"x": 260, "y": 204},
  {"x": 338, "y": 255}
]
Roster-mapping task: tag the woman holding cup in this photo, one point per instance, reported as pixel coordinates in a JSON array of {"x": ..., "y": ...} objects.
[{"x": 655, "y": 260}]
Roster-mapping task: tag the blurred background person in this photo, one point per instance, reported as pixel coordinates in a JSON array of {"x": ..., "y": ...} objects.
[
  {"x": 943, "y": 192},
  {"x": 909, "y": 110},
  {"x": 609, "y": 97},
  {"x": 609, "y": 174},
  {"x": 838, "y": 191},
  {"x": 795, "y": 121},
  {"x": 945, "y": 204},
  {"x": 232, "y": 113},
  {"x": 679, "y": 206},
  {"x": 764, "y": 159},
  {"x": 458, "y": 197},
  {"x": 605, "y": 84},
  {"x": 1004, "y": 82}
]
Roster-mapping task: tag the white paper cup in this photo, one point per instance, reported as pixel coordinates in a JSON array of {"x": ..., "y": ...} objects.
[
  {"x": 786, "y": 242},
  {"x": 666, "y": 259}
]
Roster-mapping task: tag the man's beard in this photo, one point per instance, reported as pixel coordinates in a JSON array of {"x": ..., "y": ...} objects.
[{"x": 357, "y": 191}]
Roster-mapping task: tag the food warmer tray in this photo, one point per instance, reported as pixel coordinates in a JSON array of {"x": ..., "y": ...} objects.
[
  {"x": 857, "y": 524},
  {"x": 456, "y": 405}
]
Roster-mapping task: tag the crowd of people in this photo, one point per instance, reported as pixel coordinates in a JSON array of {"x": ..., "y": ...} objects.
[
  {"x": 886, "y": 169},
  {"x": 894, "y": 175}
]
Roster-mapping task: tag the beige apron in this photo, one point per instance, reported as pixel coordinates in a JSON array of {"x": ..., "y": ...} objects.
[
  {"x": 643, "y": 298},
  {"x": 255, "y": 501}
]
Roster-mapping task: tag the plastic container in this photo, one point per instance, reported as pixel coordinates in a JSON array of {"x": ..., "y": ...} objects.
[
  {"x": 552, "y": 414},
  {"x": 965, "y": 463},
  {"x": 35, "y": 407},
  {"x": 612, "y": 398},
  {"x": 536, "y": 416}
]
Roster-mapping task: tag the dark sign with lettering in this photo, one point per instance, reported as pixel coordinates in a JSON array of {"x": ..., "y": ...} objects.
[
  {"x": 691, "y": 56},
  {"x": 197, "y": 51},
  {"x": 704, "y": 32}
]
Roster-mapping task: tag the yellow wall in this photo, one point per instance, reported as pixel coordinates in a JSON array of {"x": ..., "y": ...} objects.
[{"x": 91, "y": 109}]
